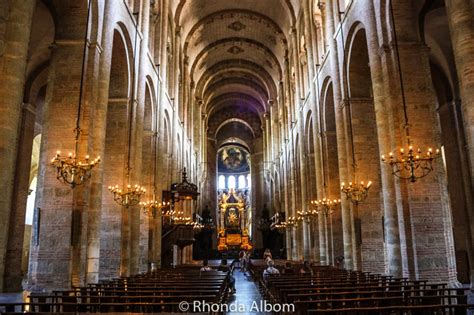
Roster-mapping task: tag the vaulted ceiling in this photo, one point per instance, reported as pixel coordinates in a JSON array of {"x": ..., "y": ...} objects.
[{"x": 236, "y": 53}]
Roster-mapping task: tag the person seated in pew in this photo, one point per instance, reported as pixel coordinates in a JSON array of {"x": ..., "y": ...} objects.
[
  {"x": 271, "y": 270},
  {"x": 306, "y": 269},
  {"x": 205, "y": 266},
  {"x": 229, "y": 270},
  {"x": 288, "y": 269}
]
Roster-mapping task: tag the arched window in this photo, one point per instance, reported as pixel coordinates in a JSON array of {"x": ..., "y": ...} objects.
[
  {"x": 221, "y": 183},
  {"x": 249, "y": 182},
  {"x": 242, "y": 183},
  {"x": 231, "y": 182}
]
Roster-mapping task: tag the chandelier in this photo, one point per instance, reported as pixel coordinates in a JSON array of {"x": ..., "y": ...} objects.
[
  {"x": 70, "y": 170},
  {"x": 325, "y": 206},
  {"x": 292, "y": 222},
  {"x": 411, "y": 165},
  {"x": 356, "y": 192},
  {"x": 282, "y": 226},
  {"x": 130, "y": 195},
  {"x": 197, "y": 227},
  {"x": 154, "y": 208},
  {"x": 178, "y": 218},
  {"x": 304, "y": 215}
]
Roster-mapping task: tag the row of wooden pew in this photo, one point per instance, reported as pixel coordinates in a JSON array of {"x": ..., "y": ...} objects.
[
  {"x": 336, "y": 291},
  {"x": 160, "y": 291}
]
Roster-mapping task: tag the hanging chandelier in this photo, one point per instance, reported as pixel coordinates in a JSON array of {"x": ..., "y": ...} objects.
[
  {"x": 325, "y": 206},
  {"x": 154, "y": 208},
  {"x": 70, "y": 170},
  {"x": 130, "y": 195},
  {"x": 356, "y": 192},
  {"x": 178, "y": 218},
  {"x": 304, "y": 216},
  {"x": 412, "y": 164},
  {"x": 280, "y": 227},
  {"x": 197, "y": 227},
  {"x": 292, "y": 222}
]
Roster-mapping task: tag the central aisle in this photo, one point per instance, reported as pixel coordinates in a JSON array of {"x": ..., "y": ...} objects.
[{"x": 247, "y": 292}]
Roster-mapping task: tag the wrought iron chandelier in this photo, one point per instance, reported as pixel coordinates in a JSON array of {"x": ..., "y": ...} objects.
[
  {"x": 154, "y": 208},
  {"x": 178, "y": 218},
  {"x": 357, "y": 191},
  {"x": 304, "y": 216},
  {"x": 70, "y": 170},
  {"x": 130, "y": 195},
  {"x": 412, "y": 164},
  {"x": 325, "y": 206},
  {"x": 282, "y": 226},
  {"x": 292, "y": 222}
]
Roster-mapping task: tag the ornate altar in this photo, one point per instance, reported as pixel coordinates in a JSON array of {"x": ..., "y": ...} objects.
[{"x": 233, "y": 225}]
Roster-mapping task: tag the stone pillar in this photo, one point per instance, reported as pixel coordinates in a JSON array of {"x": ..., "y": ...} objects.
[
  {"x": 98, "y": 133},
  {"x": 341, "y": 138},
  {"x": 61, "y": 207},
  {"x": 139, "y": 223},
  {"x": 13, "y": 272},
  {"x": 385, "y": 142},
  {"x": 427, "y": 210},
  {"x": 323, "y": 254},
  {"x": 13, "y": 57},
  {"x": 162, "y": 160},
  {"x": 460, "y": 17}
]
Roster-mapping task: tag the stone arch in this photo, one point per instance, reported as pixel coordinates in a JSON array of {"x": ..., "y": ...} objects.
[
  {"x": 362, "y": 129},
  {"x": 310, "y": 145},
  {"x": 331, "y": 166},
  {"x": 149, "y": 139},
  {"x": 113, "y": 257},
  {"x": 166, "y": 132}
]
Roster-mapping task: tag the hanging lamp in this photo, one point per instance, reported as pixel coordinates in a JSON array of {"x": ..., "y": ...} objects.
[
  {"x": 129, "y": 195},
  {"x": 408, "y": 163},
  {"x": 356, "y": 191},
  {"x": 70, "y": 170}
]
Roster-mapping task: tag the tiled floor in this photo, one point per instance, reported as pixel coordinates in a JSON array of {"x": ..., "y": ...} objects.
[{"x": 246, "y": 294}]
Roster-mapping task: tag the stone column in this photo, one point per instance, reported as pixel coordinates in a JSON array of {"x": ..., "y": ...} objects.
[
  {"x": 460, "y": 17},
  {"x": 426, "y": 209},
  {"x": 162, "y": 160},
  {"x": 61, "y": 207},
  {"x": 13, "y": 57},
  {"x": 13, "y": 272},
  {"x": 139, "y": 222},
  {"x": 383, "y": 113},
  {"x": 341, "y": 138},
  {"x": 98, "y": 131}
]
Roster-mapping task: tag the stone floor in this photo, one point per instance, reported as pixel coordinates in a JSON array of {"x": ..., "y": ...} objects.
[{"x": 246, "y": 296}]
